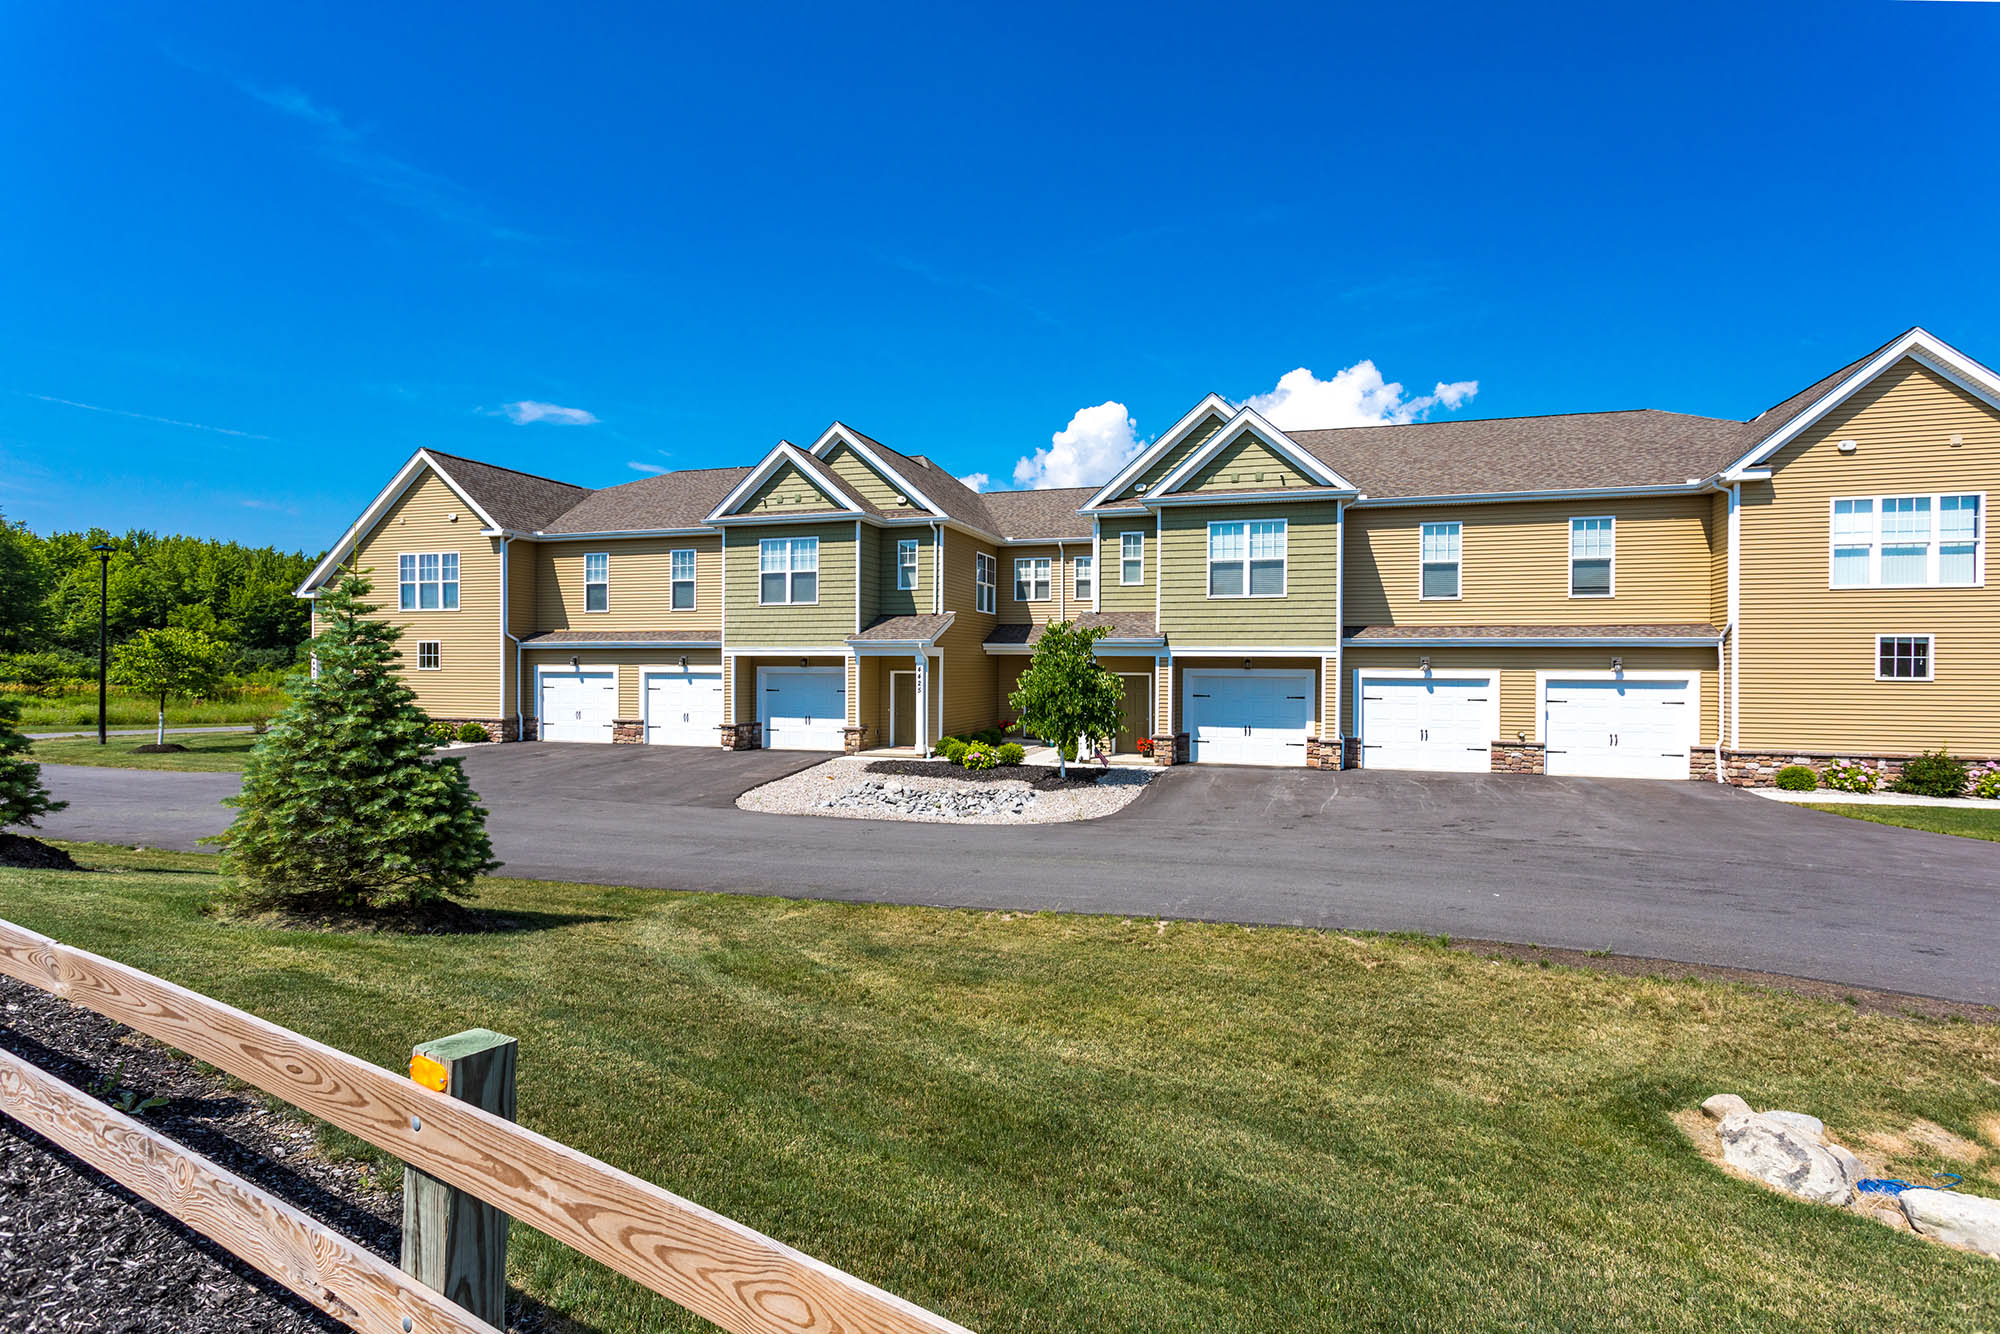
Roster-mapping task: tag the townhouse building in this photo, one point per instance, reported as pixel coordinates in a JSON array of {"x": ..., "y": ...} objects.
[{"x": 1641, "y": 594}]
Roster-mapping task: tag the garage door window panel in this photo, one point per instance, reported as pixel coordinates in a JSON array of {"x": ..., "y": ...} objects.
[
  {"x": 1592, "y": 544},
  {"x": 1246, "y": 558},
  {"x": 788, "y": 570},
  {"x": 1440, "y": 559}
]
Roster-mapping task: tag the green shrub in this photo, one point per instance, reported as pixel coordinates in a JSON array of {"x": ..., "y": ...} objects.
[
  {"x": 1849, "y": 778},
  {"x": 951, "y": 748},
  {"x": 978, "y": 755},
  {"x": 1986, "y": 783},
  {"x": 1797, "y": 778},
  {"x": 992, "y": 736},
  {"x": 473, "y": 732},
  {"x": 23, "y": 799},
  {"x": 1011, "y": 753},
  {"x": 441, "y": 732},
  {"x": 1931, "y": 774}
]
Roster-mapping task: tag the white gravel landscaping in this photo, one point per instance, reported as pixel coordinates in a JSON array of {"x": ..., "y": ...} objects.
[
  {"x": 1828, "y": 797},
  {"x": 844, "y": 789}
]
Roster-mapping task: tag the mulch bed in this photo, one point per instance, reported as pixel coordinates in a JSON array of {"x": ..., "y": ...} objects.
[
  {"x": 79, "y": 1252},
  {"x": 1042, "y": 777},
  {"x": 169, "y": 748},
  {"x": 34, "y": 855}
]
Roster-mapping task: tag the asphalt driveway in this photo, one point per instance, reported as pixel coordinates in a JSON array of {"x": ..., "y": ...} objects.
[{"x": 1684, "y": 871}]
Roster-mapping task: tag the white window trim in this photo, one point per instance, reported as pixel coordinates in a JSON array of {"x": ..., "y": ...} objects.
[
  {"x": 419, "y": 581},
  {"x": 790, "y": 572},
  {"x": 907, "y": 573},
  {"x": 1285, "y": 563},
  {"x": 437, "y": 645},
  {"x": 1125, "y": 539},
  {"x": 588, "y": 582},
  {"x": 693, "y": 581},
  {"x": 1933, "y": 559},
  {"x": 1930, "y": 656},
  {"x": 1031, "y": 561},
  {"x": 1569, "y": 555},
  {"x": 1459, "y": 524},
  {"x": 1076, "y": 567},
  {"x": 986, "y": 583}
]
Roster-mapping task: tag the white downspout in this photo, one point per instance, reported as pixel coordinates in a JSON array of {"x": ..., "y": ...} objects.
[
  {"x": 1734, "y": 630},
  {"x": 506, "y": 633}
]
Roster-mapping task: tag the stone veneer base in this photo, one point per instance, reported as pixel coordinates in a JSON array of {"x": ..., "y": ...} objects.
[
  {"x": 1759, "y": 768},
  {"x": 1170, "y": 748},
  {"x": 628, "y": 731},
  {"x": 854, "y": 738},
  {"x": 1519, "y": 757},
  {"x": 741, "y": 736}
]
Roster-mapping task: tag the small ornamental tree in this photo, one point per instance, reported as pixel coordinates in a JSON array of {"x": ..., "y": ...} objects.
[
  {"x": 171, "y": 663},
  {"x": 23, "y": 799},
  {"x": 1064, "y": 696},
  {"x": 342, "y": 802}
]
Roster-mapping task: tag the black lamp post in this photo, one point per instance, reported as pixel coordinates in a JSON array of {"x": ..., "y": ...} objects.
[{"x": 103, "y": 550}]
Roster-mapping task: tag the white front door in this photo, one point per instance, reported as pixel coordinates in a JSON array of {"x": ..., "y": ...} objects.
[
  {"x": 577, "y": 706},
  {"x": 802, "y": 708},
  {"x": 1618, "y": 728},
  {"x": 683, "y": 708},
  {"x": 1441, "y": 721},
  {"x": 1260, "y": 716}
]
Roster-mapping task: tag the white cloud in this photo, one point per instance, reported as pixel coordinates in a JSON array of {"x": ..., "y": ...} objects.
[
  {"x": 652, "y": 468},
  {"x": 1357, "y": 396},
  {"x": 976, "y": 481},
  {"x": 1097, "y": 442},
  {"x": 527, "y": 411}
]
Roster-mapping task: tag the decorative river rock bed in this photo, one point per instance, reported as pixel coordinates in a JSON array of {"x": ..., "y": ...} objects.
[
  {"x": 857, "y": 788},
  {"x": 1789, "y": 1152}
]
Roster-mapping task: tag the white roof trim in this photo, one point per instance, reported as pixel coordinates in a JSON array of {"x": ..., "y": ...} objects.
[
  {"x": 1214, "y": 403},
  {"x": 1921, "y": 346},
  {"x": 405, "y": 477},
  {"x": 782, "y": 453},
  {"x": 841, "y": 433},
  {"x": 1249, "y": 422}
]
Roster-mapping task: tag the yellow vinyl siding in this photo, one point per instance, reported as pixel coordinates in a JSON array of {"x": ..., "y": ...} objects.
[
  {"x": 469, "y": 681},
  {"x": 1808, "y": 650},
  {"x": 1061, "y": 604},
  {"x": 1718, "y": 559},
  {"x": 641, "y": 584},
  {"x": 1171, "y": 460},
  {"x": 521, "y": 614},
  {"x": 876, "y": 489},
  {"x": 788, "y": 489},
  {"x": 1308, "y": 613},
  {"x": 970, "y": 701},
  {"x": 632, "y": 664},
  {"x": 1517, "y": 667},
  {"x": 1514, "y": 563},
  {"x": 1248, "y": 464},
  {"x": 750, "y": 624},
  {"x": 1112, "y": 595}
]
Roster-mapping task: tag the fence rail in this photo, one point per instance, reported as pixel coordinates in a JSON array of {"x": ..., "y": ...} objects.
[{"x": 736, "y": 1277}]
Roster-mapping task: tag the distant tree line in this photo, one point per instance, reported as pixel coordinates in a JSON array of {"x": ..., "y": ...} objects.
[{"x": 239, "y": 597}]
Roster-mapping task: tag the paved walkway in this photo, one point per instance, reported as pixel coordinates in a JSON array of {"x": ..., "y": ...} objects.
[{"x": 1685, "y": 871}]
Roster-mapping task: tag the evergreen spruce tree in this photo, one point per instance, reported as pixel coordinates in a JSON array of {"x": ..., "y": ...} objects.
[
  {"x": 342, "y": 805},
  {"x": 23, "y": 799}
]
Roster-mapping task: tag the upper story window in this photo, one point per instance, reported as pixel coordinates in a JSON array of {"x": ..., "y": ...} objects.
[
  {"x": 985, "y": 575},
  {"x": 1908, "y": 541},
  {"x": 427, "y": 581},
  {"x": 1440, "y": 542},
  {"x": 1086, "y": 578},
  {"x": 1132, "y": 558},
  {"x": 788, "y": 569},
  {"x": 906, "y": 564},
  {"x": 1902, "y": 657},
  {"x": 1031, "y": 579},
  {"x": 1246, "y": 558},
  {"x": 683, "y": 580},
  {"x": 597, "y": 582},
  {"x": 1592, "y": 545}
]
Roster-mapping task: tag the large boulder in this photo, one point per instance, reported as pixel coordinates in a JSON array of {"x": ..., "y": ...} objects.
[
  {"x": 1971, "y": 1221},
  {"x": 1782, "y": 1153},
  {"x": 1724, "y": 1104}
]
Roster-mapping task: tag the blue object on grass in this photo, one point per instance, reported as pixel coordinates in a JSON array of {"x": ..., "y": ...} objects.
[
  {"x": 1949, "y": 1178},
  {"x": 1884, "y": 1186}
]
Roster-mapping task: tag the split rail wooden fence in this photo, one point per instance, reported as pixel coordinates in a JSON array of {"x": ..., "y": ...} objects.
[{"x": 732, "y": 1275}]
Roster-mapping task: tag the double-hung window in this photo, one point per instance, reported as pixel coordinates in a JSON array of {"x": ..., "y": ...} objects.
[
  {"x": 1086, "y": 578},
  {"x": 430, "y": 655},
  {"x": 1246, "y": 558},
  {"x": 427, "y": 581},
  {"x": 1902, "y": 657},
  {"x": 1132, "y": 558},
  {"x": 1031, "y": 579},
  {"x": 788, "y": 569},
  {"x": 1907, "y": 541},
  {"x": 1592, "y": 546},
  {"x": 906, "y": 564},
  {"x": 985, "y": 575},
  {"x": 682, "y": 578},
  {"x": 1440, "y": 543},
  {"x": 597, "y": 582}
]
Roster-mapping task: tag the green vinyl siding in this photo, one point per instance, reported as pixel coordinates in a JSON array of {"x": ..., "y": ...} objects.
[
  {"x": 893, "y": 601},
  {"x": 870, "y": 485},
  {"x": 749, "y": 624},
  {"x": 1248, "y": 464},
  {"x": 1171, "y": 460},
  {"x": 788, "y": 489},
  {"x": 871, "y": 574},
  {"x": 1112, "y": 594},
  {"x": 1308, "y": 613}
]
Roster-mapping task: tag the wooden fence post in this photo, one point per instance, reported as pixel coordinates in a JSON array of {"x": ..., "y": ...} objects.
[{"x": 452, "y": 1241}]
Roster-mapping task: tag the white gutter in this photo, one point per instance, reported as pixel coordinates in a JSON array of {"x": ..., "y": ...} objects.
[{"x": 1693, "y": 486}]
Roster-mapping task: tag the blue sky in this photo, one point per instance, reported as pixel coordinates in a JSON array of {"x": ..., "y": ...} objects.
[{"x": 258, "y": 255}]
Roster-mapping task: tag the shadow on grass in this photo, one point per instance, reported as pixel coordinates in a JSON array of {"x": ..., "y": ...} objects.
[{"x": 437, "y": 919}]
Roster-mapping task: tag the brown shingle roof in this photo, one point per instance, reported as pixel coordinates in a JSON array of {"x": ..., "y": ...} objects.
[
  {"x": 517, "y": 500},
  {"x": 923, "y": 628},
  {"x": 1040, "y": 514},
  {"x": 1122, "y": 625},
  {"x": 553, "y": 638},
  {"x": 1390, "y": 634},
  {"x": 668, "y": 500},
  {"x": 954, "y": 497}
]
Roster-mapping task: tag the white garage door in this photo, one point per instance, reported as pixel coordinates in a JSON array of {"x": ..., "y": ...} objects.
[
  {"x": 578, "y": 706},
  {"x": 1444, "y": 721},
  {"x": 683, "y": 708},
  {"x": 802, "y": 708},
  {"x": 1619, "y": 728},
  {"x": 1254, "y": 717}
]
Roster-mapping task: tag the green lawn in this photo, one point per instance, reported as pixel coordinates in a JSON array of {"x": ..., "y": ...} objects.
[
  {"x": 1961, "y": 820},
  {"x": 1060, "y": 1123},
  {"x": 77, "y": 710},
  {"x": 207, "y": 752}
]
